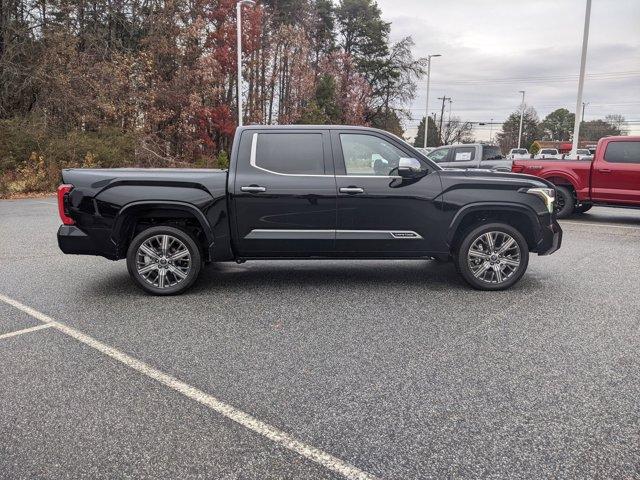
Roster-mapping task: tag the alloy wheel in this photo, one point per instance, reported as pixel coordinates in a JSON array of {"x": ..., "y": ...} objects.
[
  {"x": 163, "y": 261},
  {"x": 494, "y": 257},
  {"x": 559, "y": 202}
]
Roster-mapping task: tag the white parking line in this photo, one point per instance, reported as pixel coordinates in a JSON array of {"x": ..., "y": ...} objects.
[
  {"x": 604, "y": 225},
  {"x": 248, "y": 421},
  {"x": 25, "y": 330}
]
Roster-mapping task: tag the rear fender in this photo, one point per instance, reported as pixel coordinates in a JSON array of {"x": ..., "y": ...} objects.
[{"x": 132, "y": 210}]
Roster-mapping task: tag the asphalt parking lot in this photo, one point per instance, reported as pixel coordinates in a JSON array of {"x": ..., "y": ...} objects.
[{"x": 320, "y": 369}]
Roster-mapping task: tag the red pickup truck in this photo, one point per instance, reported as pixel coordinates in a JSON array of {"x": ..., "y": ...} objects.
[{"x": 612, "y": 178}]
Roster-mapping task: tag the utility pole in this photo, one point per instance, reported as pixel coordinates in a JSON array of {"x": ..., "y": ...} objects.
[
  {"x": 239, "y": 5},
  {"x": 521, "y": 119},
  {"x": 583, "y": 61},
  {"x": 426, "y": 113},
  {"x": 444, "y": 99},
  {"x": 491, "y": 131}
]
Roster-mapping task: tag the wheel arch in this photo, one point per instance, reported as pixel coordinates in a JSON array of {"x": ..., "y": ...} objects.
[
  {"x": 128, "y": 217},
  {"x": 521, "y": 217},
  {"x": 563, "y": 179}
]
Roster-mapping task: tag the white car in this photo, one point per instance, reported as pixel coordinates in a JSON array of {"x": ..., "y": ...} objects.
[
  {"x": 549, "y": 153},
  {"x": 580, "y": 154},
  {"x": 518, "y": 153}
]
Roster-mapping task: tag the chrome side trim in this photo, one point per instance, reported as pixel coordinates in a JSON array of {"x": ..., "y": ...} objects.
[
  {"x": 368, "y": 176},
  {"x": 276, "y": 234},
  {"x": 377, "y": 235},
  {"x": 287, "y": 234}
]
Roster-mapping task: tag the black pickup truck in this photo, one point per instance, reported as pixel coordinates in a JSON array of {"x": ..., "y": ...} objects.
[{"x": 308, "y": 192}]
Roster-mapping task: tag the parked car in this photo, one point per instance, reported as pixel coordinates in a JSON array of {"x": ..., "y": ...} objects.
[
  {"x": 308, "y": 192},
  {"x": 518, "y": 153},
  {"x": 612, "y": 178},
  {"x": 548, "y": 153},
  {"x": 582, "y": 152},
  {"x": 470, "y": 155}
]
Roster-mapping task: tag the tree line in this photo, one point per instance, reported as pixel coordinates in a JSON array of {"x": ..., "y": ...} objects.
[
  {"x": 557, "y": 126},
  {"x": 153, "y": 82}
]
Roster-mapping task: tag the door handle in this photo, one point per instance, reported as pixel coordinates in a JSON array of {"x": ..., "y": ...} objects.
[
  {"x": 351, "y": 190},
  {"x": 604, "y": 170},
  {"x": 253, "y": 189}
]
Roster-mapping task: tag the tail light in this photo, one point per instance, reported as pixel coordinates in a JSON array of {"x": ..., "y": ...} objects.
[
  {"x": 63, "y": 190},
  {"x": 517, "y": 168}
]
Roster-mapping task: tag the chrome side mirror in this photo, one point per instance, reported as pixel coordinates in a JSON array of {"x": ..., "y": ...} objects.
[{"x": 409, "y": 167}]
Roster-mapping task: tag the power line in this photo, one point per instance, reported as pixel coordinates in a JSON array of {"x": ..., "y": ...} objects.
[{"x": 542, "y": 79}]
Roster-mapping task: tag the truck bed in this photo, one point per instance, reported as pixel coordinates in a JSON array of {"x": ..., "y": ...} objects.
[{"x": 559, "y": 172}]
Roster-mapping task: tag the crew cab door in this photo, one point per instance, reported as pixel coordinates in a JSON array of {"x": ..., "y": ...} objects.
[
  {"x": 284, "y": 193},
  {"x": 616, "y": 173},
  {"x": 381, "y": 214}
]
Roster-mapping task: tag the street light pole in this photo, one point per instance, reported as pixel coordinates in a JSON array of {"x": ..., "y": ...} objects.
[
  {"x": 521, "y": 119},
  {"x": 491, "y": 131},
  {"x": 426, "y": 115},
  {"x": 583, "y": 61},
  {"x": 584, "y": 107},
  {"x": 239, "y": 51}
]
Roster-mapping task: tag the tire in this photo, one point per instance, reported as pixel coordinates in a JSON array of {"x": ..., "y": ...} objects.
[
  {"x": 565, "y": 202},
  {"x": 497, "y": 275},
  {"x": 178, "y": 274},
  {"x": 583, "y": 208}
]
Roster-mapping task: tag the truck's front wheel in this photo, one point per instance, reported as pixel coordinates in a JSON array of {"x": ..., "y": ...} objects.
[
  {"x": 164, "y": 260},
  {"x": 565, "y": 202},
  {"x": 492, "y": 257}
]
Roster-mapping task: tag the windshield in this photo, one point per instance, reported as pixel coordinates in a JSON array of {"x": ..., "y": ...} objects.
[
  {"x": 520, "y": 151},
  {"x": 548, "y": 151}
]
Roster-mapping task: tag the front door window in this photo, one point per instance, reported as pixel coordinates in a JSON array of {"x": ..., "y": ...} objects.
[{"x": 369, "y": 155}]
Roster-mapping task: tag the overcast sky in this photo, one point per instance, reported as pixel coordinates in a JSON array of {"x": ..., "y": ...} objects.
[{"x": 493, "y": 48}]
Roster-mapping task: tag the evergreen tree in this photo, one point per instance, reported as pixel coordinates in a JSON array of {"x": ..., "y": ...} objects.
[
  {"x": 433, "y": 134},
  {"x": 508, "y": 136},
  {"x": 558, "y": 125}
]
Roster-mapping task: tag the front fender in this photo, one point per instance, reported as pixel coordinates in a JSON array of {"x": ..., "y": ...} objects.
[{"x": 494, "y": 207}]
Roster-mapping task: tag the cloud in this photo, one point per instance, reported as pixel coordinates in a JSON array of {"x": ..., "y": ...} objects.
[{"x": 494, "y": 48}]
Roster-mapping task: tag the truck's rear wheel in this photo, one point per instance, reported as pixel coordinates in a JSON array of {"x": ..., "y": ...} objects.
[
  {"x": 565, "y": 202},
  {"x": 492, "y": 257},
  {"x": 164, "y": 260}
]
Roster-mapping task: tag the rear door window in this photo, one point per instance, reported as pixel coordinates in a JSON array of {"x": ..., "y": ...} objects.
[
  {"x": 622, "y": 152},
  {"x": 290, "y": 153},
  {"x": 464, "y": 154},
  {"x": 494, "y": 153}
]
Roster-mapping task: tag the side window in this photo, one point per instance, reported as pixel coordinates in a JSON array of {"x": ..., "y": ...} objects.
[
  {"x": 439, "y": 155},
  {"x": 464, "y": 154},
  {"x": 369, "y": 155},
  {"x": 494, "y": 153},
  {"x": 290, "y": 153},
  {"x": 622, "y": 152}
]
